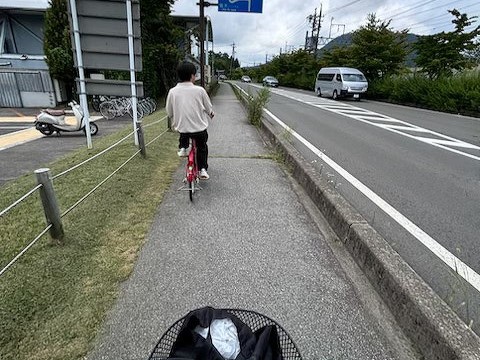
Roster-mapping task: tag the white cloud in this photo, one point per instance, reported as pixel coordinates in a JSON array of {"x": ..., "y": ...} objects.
[{"x": 284, "y": 22}]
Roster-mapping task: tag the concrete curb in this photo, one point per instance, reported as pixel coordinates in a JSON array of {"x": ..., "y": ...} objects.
[{"x": 424, "y": 317}]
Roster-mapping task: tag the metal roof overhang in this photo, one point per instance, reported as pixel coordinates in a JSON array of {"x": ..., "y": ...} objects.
[{"x": 38, "y": 5}]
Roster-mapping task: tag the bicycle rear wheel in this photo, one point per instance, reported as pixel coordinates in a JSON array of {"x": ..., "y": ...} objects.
[{"x": 191, "y": 189}]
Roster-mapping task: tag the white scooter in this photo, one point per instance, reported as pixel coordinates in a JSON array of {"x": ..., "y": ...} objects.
[{"x": 50, "y": 121}]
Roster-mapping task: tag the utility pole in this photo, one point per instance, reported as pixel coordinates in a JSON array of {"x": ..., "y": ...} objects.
[
  {"x": 311, "y": 44},
  {"x": 233, "y": 57},
  {"x": 314, "y": 27},
  {"x": 319, "y": 26}
]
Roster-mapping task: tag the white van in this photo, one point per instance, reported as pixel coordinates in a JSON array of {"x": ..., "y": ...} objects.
[{"x": 338, "y": 82}]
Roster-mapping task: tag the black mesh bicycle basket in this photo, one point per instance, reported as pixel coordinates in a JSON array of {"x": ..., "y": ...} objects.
[{"x": 252, "y": 319}]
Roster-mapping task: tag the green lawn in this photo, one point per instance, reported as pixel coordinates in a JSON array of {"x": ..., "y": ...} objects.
[{"x": 54, "y": 299}]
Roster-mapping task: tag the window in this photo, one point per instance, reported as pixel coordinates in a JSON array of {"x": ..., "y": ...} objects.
[
  {"x": 339, "y": 77},
  {"x": 354, "y": 77},
  {"x": 325, "y": 77}
]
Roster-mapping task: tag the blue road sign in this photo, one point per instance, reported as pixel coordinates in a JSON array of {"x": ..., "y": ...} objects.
[{"x": 253, "y": 6}]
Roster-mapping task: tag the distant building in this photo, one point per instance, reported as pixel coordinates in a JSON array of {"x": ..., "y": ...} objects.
[{"x": 24, "y": 77}]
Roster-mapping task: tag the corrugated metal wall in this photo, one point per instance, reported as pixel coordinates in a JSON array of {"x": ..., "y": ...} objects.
[
  {"x": 9, "y": 93},
  {"x": 12, "y": 82}
]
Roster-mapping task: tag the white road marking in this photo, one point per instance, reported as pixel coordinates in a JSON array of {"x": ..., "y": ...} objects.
[
  {"x": 442, "y": 253},
  {"x": 369, "y": 117},
  {"x": 405, "y": 128},
  {"x": 14, "y": 127},
  {"x": 449, "y": 143}
]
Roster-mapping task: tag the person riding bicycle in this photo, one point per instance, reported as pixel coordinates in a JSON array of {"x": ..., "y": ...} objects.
[{"x": 190, "y": 109}]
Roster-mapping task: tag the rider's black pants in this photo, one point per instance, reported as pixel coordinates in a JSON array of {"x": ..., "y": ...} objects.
[{"x": 201, "y": 139}]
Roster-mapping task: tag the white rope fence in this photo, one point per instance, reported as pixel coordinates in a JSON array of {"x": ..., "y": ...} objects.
[
  {"x": 155, "y": 122},
  {"x": 94, "y": 156},
  {"x": 83, "y": 198},
  {"x": 10, "y": 207},
  {"x": 100, "y": 184},
  {"x": 25, "y": 249}
]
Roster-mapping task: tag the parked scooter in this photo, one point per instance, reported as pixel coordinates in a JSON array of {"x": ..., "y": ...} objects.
[{"x": 50, "y": 121}]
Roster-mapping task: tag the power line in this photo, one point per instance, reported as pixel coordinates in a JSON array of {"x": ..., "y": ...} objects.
[
  {"x": 343, "y": 6},
  {"x": 296, "y": 29},
  {"x": 427, "y": 21},
  {"x": 430, "y": 9},
  {"x": 412, "y": 8}
]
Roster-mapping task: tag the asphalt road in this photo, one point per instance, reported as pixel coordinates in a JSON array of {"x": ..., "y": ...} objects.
[
  {"x": 424, "y": 164},
  {"x": 7, "y": 128},
  {"x": 25, "y": 158}
]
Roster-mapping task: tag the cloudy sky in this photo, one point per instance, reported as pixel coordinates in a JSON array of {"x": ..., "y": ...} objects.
[{"x": 283, "y": 23}]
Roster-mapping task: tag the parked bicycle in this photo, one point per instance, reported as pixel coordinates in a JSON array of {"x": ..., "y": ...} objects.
[
  {"x": 97, "y": 100},
  {"x": 120, "y": 106}
]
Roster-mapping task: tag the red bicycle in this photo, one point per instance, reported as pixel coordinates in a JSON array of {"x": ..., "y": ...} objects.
[{"x": 192, "y": 178}]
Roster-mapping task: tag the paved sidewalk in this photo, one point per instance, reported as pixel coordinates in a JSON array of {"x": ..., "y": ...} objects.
[{"x": 247, "y": 241}]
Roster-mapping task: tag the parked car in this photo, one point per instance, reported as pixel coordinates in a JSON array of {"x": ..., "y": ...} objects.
[
  {"x": 341, "y": 82},
  {"x": 270, "y": 81},
  {"x": 222, "y": 77},
  {"x": 246, "y": 79}
]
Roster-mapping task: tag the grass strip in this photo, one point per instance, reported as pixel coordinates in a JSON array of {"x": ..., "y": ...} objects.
[{"x": 55, "y": 298}]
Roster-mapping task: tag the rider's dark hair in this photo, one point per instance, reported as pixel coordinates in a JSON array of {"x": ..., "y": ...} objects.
[{"x": 185, "y": 70}]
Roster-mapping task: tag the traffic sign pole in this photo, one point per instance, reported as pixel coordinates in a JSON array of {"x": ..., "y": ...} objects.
[
  {"x": 202, "y": 42},
  {"x": 131, "y": 54},
  {"x": 81, "y": 73}
]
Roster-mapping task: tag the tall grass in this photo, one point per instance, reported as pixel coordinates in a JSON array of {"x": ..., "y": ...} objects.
[
  {"x": 459, "y": 94},
  {"x": 256, "y": 104}
]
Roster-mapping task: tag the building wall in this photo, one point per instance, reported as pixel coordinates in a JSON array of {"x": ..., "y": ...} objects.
[{"x": 24, "y": 77}]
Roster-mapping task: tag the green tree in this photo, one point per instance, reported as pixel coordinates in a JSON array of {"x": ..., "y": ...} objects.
[
  {"x": 338, "y": 56},
  {"x": 237, "y": 73},
  {"x": 223, "y": 61},
  {"x": 296, "y": 69},
  {"x": 57, "y": 44},
  {"x": 377, "y": 50},
  {"x": 160, "y": 46},
  {"x": 442, "y": 53}
]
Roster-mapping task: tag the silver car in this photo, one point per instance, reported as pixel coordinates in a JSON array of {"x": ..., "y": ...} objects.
[
  {"x": 270, "y": 81},
  {"x": 246, "y": 79}
]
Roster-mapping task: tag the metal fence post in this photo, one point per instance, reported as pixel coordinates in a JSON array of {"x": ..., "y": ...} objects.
[
  {"x": 141, "y": 139},
  {"x": 49, "y": 201}
]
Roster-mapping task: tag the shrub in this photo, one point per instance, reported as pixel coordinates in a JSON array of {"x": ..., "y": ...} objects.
[{"x": 459, "y": 93}]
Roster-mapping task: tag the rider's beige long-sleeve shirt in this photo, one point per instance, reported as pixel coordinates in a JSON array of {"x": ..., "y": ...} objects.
[{"x": 189, "y": 107}]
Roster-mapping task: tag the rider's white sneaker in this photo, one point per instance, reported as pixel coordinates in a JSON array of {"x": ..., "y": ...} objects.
[
  {"x": 182, "y": 152},
  {"x": 204, "y": 174}
]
